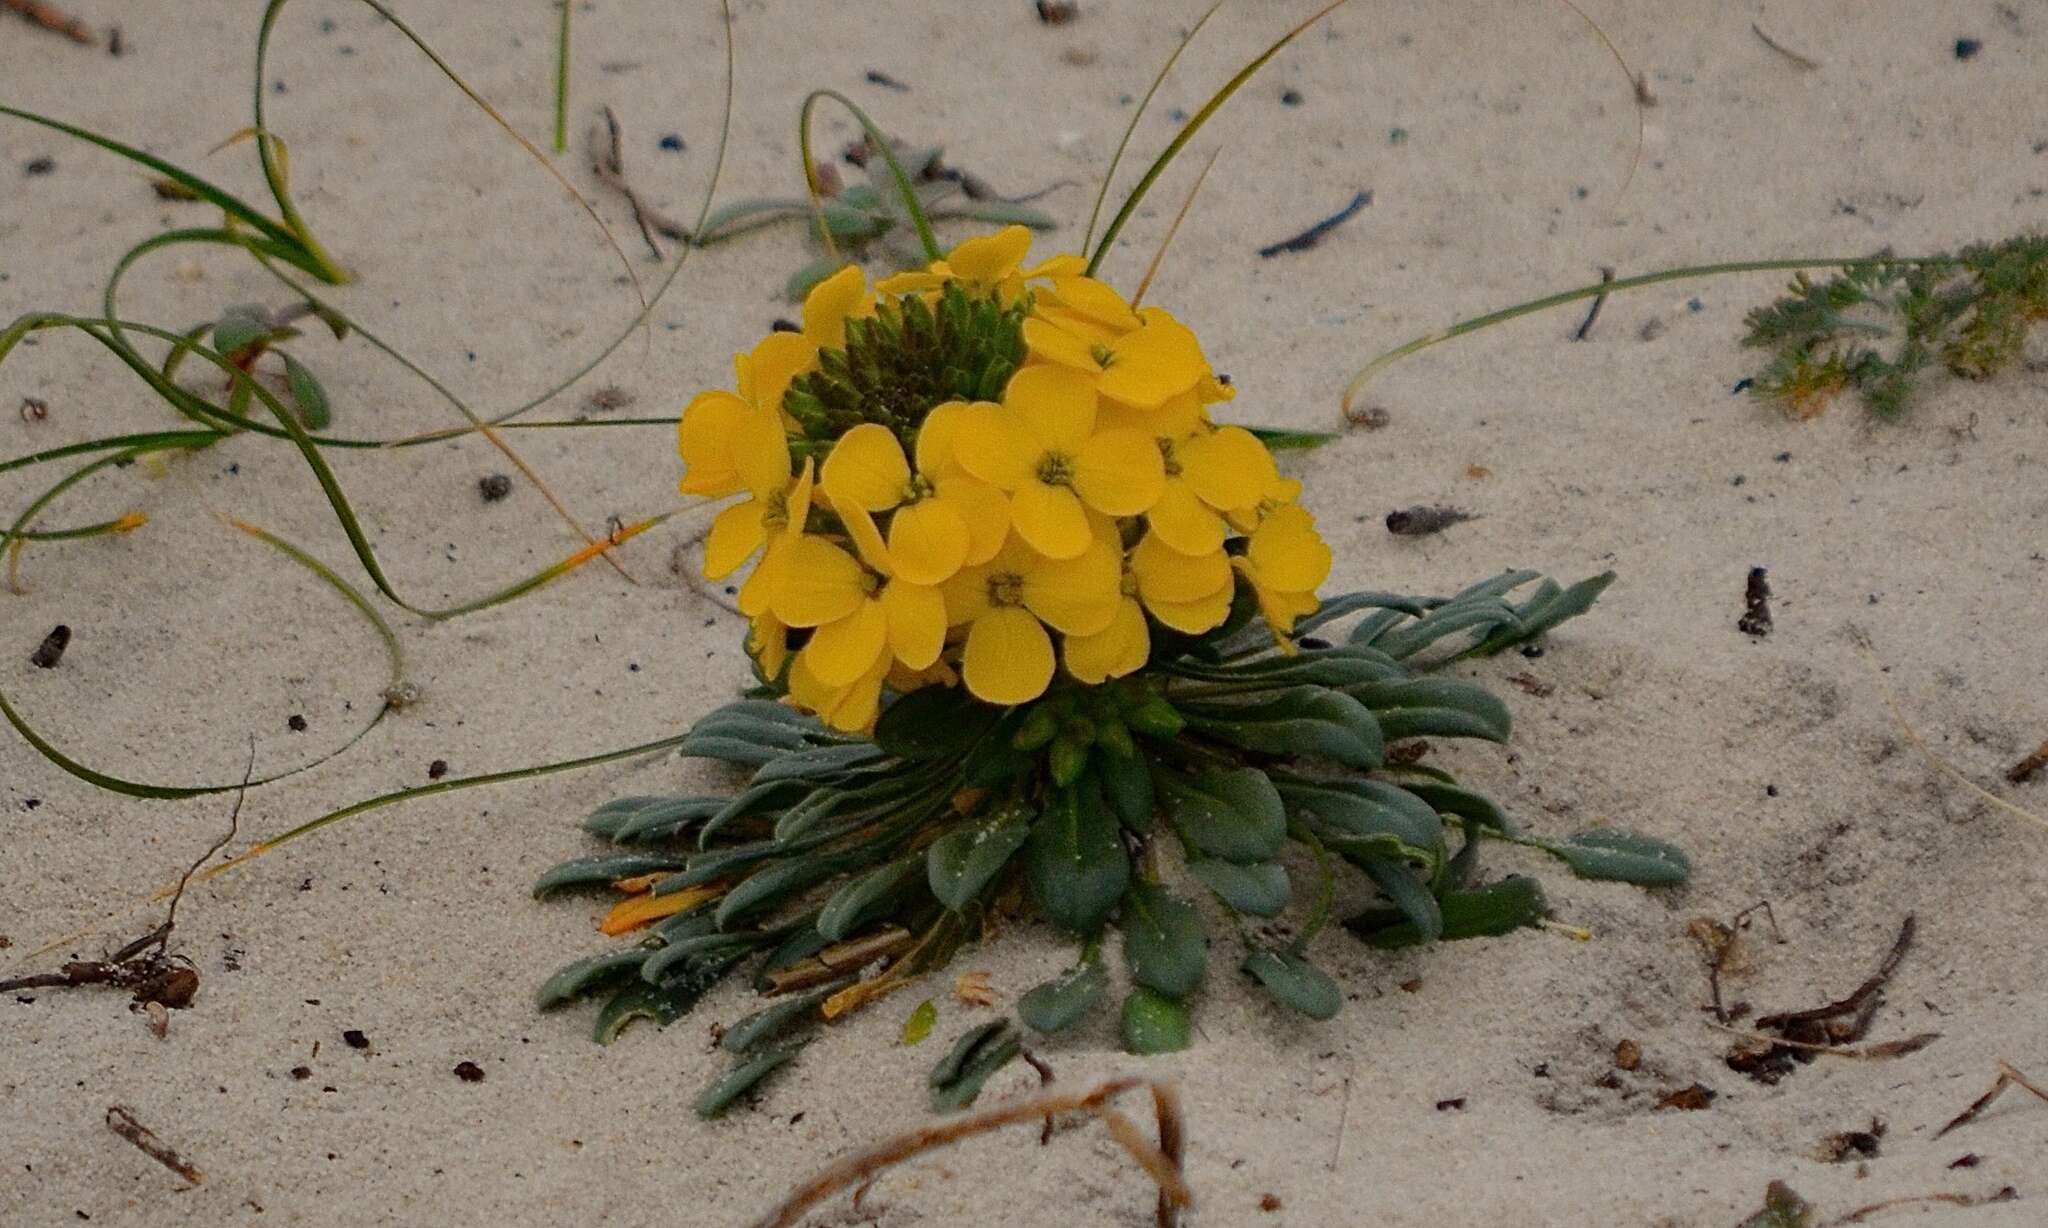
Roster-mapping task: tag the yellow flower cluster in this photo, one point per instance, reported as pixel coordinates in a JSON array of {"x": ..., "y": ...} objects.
[{"x": 1096, "y": 492}]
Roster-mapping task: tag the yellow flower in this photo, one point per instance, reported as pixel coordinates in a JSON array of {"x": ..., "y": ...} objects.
[
  {"x": 862, "y": 619},
  {"x": 832, "y": 302},
  {"x": 1006, "y": 604},
  {"x": 768, "y": 644},
  {"x": 1140, "y": 359},
  {"x": 985, "y": 264},
  {"x": 851, "y": 708},
  {"x": 777, "y": 504},
  {"x": 1041, "y": 445},
  {"x": 942, "y": 518},
  {"x": 1209, "y": 471},
  {"x": 1285, "y": 560},
  {"x": 1121, "y": 648},
  {"x": 1190, "y": 593},
  {"x": 716, "y": 425}
]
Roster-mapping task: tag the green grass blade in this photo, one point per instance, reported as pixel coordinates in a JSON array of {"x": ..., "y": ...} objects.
[
  {"x": 905, "y": 189},
  {"x": 146, "y": 441},
  {"x": 1364, "y": 376},
  {"x": 192, "y": 183},
  {"x": 1188, "y": 131},
  {"x": 349, "y": 592},
  {"x": 562, "y": 80},
  {"x": 1116, "y": 159},
  {"x": 105, "y": 528}
]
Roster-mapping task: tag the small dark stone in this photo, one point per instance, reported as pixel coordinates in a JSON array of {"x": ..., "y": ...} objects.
[
  {"x": 1967, "y": 48},
  {"x": 782, "y": 324},
  {"x": 39, "y": 166},
  {"x": 1397, "y": 136},
  {"x": 1770, "y": 790},
  {"x": 1057, "y": 12},
  {"x": 469, "y": 1072},
  {"x": 355, "y": 1039},
  {"x": 1290, "y": 98},
  {"x": 673, "y": 143},
  {"x": 437, "y": 769},
  {"x": 302, "y": 1073},
  {"x": 1455, "y": 1102},
  {"x": 295, "y": 723},
  {"x": 51, "y": 650},
  {"x": 1531, "y": 650},
  {"x": 493, "y": 487}
]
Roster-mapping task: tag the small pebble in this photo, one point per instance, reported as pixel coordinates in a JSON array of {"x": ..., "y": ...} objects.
[
  {"x": 469, "y": 1072},
  {"x": 296, "y": 723},
  {"x": 494, "y": 487},
  {"x": 355, "y": 1039},
  {"x": 1967, "y": 48},
  {"x": 302, "y": 1073},
  {"x": 673, "y": 143},
  {"x": 437, "y": 769},
  {"x": 51, "y": 650},
  {"x": 39, "y": 166},
  {"x": 1290, "y": 98},
  {"x": 1397, "y": 136}
]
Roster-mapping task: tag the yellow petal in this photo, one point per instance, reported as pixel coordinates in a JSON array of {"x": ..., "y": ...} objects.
[
  {"x": 1118, "y": 649},
  {"x": 1151, "y": 364},
  {"x": 867, "y": 539},
  {"x": 841, "y": 651},
  {"x": 1184, "y": 522},
  {"x": 1094, "y": 300},
  {"x": 1287, "y": 554},
  {"x": 805, "y": 691},
  {"x": 796, "y": 507},
  {"x": 765, "y": 373},
  {"x": 1078, "y": 596},
  {"x": 831, "y": 301},
  {"x": 1165, "y": 574},
  {"x": 1054, "y": 405},
  {"x": 1050, "y": 519},
  {"x": 990, "y": 258},
  {"x": 816, "y": 583},
  {"x": 936, "y": 437},
  {"x": 1066, "y": 264},
  {"x": 761, "y": 453},
  {"x": 1054, "y": 344},
  {"x": 983, "y": 509},
  {"x": 917, "y": 623},
  {"x": 735, "y": 534},
  {"x": 915, "y": 281},
  {"x": 768, "y": 644},
  {"x": 1008, "y": 659},
  {"x": 1119, "y": 472},
  {"x": 858, "y": 706},
  {"x": 993, "y": 445},
  {"x": 704, "y": 438},
  {"x": 760, "y": 586},
  {"x": 966, "y": 595},
  {"x": 928, "y": 541},
  {"x": 866, "y": 467},
  {"x": 1227, "y": 468},
  {"x": 1194, "y": 617}
]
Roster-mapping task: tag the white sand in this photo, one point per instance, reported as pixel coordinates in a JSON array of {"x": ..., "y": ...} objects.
[{"x": 413, "y": 925}]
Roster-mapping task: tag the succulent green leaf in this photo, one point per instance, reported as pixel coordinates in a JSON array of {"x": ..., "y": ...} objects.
[
  {"x": 820, "y": 763},
  {"x": 1062, "y": 1002},
  {"x": 307, "y": 393},
  {"x": 602, "y": 868},
  {"x": 1127, "y": 786},
  {"x": 1295, "y": 982},
  {"x": 718, "y": 1097},
  {"x": 1236, "y": 815},
  {"x": 778, "y": 881},
  {"x": 657, "y": 819},
  {"x": 1539, "y": 616},
  {"x": 867, "y": 898},
  {"x": 1485, "y": 912},
  {"x": 1075, "y": 860},
  {"x": 1450, "y": 799},
  {"x": 588, "y": 975},
  {"x": 934, "y": 722},
  {"x": 961, "y": 863},
  {"x": 1367, "y": 808},
  {"x": 1260, "y": 889},
  {"x": 1164, "y": 946},
  {"x": 777, "y": 1017},
  {"x": 958, "y": 1077},
  {"x": 1301, "y": 720},
  {"x": 1435, "y": 707},
  {"x": 1624, "y": 856},
  {"x": 1410, "y": 894},
  {"x": 1154, "y": 1023}
]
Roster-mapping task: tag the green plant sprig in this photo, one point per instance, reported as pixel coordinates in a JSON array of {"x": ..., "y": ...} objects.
[{"x": 1225, "y": 744}]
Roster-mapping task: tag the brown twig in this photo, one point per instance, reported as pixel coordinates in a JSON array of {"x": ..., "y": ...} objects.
[
  {"x": 1806, "y": 62},
  {"x": 1161, "y": 1162},
  {"x": 1859, "y": 1215},
  {"x": 53, "y": 19},
  {"x": 2007, "y": 1077},
  {"x": 2019, "y": 773},
  {"x": 122, "y": 1122},
  {"x": 609, "y": 165},
  {"x": 1855, "y": 1001},
  {"x": 1883, "y": 1049}
]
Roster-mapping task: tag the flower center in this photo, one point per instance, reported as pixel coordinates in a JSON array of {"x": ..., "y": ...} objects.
[
  {"x": 919, "y": 489},
  {"x": 1104, "y": 356},
  {"x": 776, "y": 514},
  {"x": 1056, "y": 469},
  {"x": 869, "y": 582},
  {"x": 1172, "y": 461},
  {"x": 1130, "y": 584},
  {"x": 1005, "y": 588}
]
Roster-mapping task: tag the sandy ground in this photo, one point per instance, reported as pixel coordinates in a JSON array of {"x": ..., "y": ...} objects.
[{"x": 1775, "y": 761}]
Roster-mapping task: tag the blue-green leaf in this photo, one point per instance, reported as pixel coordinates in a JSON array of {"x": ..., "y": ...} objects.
[
  {"x": 1235, "y": 815},
  {"x": 1624, "y": 856},
  {"x": 1075, "y": 859},
  {"x": 1154, "y": 1023},
  {"x": 965, "y": 860},
  {"x": 1063, "y": 1001},
  {"x": 1295, "y": 982},
  {"x": 1164, "y": 946},
  {"x": 1259, "y": 889}
]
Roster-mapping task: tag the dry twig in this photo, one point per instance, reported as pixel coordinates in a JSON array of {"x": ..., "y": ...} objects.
[
  {"x": 122, "y": 1122},
  {"x": 609, "y": 165},
  {"x": 2007, "y": 1077},
  {"x": 1161, "y": 1162},
  {"x": 53, "y": 19}
]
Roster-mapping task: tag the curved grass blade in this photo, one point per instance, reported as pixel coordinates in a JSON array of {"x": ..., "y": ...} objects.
[
  {"x": 105, "y": 528},
  {"x": 1188, "y": 130},
  {"x": 15, "y": 535},
  {"x": 1158, "y": 257},
  {"x": 146, "y": 441},
  {"x": 562, "y": 81},
  {"x": 1116, "y": 159},
  {"x": 907, "y": 190},
  {"x": 1364, "y": 376}
]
